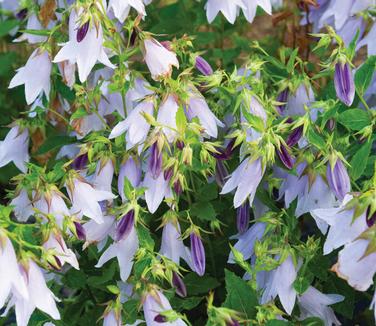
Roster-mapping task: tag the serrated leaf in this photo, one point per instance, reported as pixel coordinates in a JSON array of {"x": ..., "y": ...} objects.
[
  {"x": 359, "y": 161},
  {"x": 364, "y": 74},
  {"x": 355, "y": 119},
  {"x": 7, "y": 25},
  {"x": 199, "y": 285},
  {"x": 204, "y": 211}
]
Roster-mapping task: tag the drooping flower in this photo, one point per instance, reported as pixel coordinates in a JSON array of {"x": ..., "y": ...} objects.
[
  {"x": 286, "y": 158},
  {"x": 368, "y": 41},
  {"x": 344, "y": 83},
  {"x": 124, "y": 226},
  {"x": 246, "y": 179},
  {"x": 39, "y": 295},
  {"x": 242, "y": 217},
  {"x": 85, "y": 199},
  {"x": 338, "y": 179},
  {"x": 167, "y": 117},
  {"x": 203, "y": 66},
  {"x": 130, "y": 170},
  {"x": 313, "y": 303},
  {"x": 85, "y": 50},
  {"x": 14, "y": 148},
  {"x": 343, "y": 229},
  {"x": 154, "y": 304},
  {"x": 121, "y": 8},
  {"x": 197, "y": 107},
  {"x": 156, "y": 190},
  {"x": 155, "y": 161},
  {"x": 22, "y": 206},
  {"x": 59, "y": 249},
  {"x": 253, "y": 106},
  {"x": 197, "y": 254},
  {"x": 11, "y": 280},
  {"x": 139, "y": 90},
  {"x": 112, "y": 318},
  {"x": 279, "y": 282},
  {"x": 303, "y": 96},
  {"x": 98, "y": 233},
  {"x": 103, "y": 175},
  {"x": 135, "y": 124},
  {"x": 172, "y": 245},
  {"x": 35, "y": 75},
  {"x": 124, "y": 250},
  {"x": 158, "y": 59},
  {"x": 229, "y": 9},
  {"x": 33, "y": 23},
  {"x": 250, "y": 8}
]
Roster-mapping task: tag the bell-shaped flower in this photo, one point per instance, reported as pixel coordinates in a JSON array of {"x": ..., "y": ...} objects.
[
  {"x": 344, "y": 83},
  {"x": 15, "y": 148},
  {"x": 255, "y": 108},
  {"x": 203, "y": 66},
  {"x": 135, "y": 125},
  {"x": 85, "y": 46},
  {"x": 156, "y": 190},
  {"x": 313, "y": 303},
  {"x": 368, "y": 41},
  {"x": 154, "y": 304},
  {"x": 338, "y": 179},
  {"x": 68, "y": 72},
  {"x": 172, "y": 245},
  {"x": 246, "y": 241},
  {"x": 35, "y": 75},
  {"x": 33, "y": 23},
  {"x": 197, "y": 254},
  {"x": 110, "y": 101},
  {"x": 251, "y": 8},
  {"x": 124, "y": 250},
  {"x": 54, "y": 204},
  {"x": 229, "y": 9},
  {"x": 167, "y": 117},
  {"x": 131, "y": 170},
  {"x": 303, "y": 96},
  {"x": 111, "y": 318},
  {"x": 159, "y": 59},
  {"x": 59, "y": 249},
  {"x": 197, "y": 107},
  {"x": 245, "y": 179},
  {"x": 343, "y": 228},
  {"x": 22, "y": 206},
  {"x": 121, "y": 8},
  {"x": 279, "y": 282},
  {"x": 242, "y": 217},
  {"x": 98, "y": 233},
  {"x": 103, "y": 175},
  {"x": 138, "y": 90},
  {"x": 40, "y": 296},
  {"x": 11, "y": 280},
  {"x": 355, "y": 266},
  {"x": 85, "y": 199}
]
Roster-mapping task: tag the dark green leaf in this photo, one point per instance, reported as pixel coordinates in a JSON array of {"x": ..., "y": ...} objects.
[
  {"x": 364, "y": 74},
  {"x": 359, "y": 160},
  {"x": 355, "y": 119},
  {"x": 54, "y": 143}
]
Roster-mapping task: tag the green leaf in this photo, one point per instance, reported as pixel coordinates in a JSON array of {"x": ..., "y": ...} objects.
[
  {"x": 179, "y": 304},
  {"x": 146, "y": 241},
  {"x": 359, "y": 160},
  {"x": 355, "y": 119},
  {"x": 312, "y": 321},
  {"x": 199, "y": 285},
  {"x": 7, "y": 25},
  {"x": 54, "y": 143},
  {"x": 315, "y": 139},
  {"x": 364, "y": 74},
  {"x": 278, "y": 323},
  {"x": 204, "y": 211},
  {"x": 181, "y": 120},
  {"x": 240, "y": 296}
]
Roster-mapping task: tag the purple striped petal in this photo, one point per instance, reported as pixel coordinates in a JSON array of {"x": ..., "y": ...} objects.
[
  {"x": 282, "y": 97},
  {"x": 338, "y": 179},
  {"x": 370, "y": 219},
  {"x": 203, "y": 66},
  {"x": 287, "y": 160},
  {"x": 242, "y": 217},
  {"x": 124, "y": 226},
  {"x": 179, "y": 285},
  {"x": 295, "y": 136},
  {"x": 82, "y": 31},
  {"x": 155, "y": 161},
  {"x": 198, "y": 254},
  {"x": 344, "y": 83}
]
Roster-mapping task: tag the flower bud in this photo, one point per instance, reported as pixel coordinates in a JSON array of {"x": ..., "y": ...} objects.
[
  {"x": 242, "y": 217},
  {"x": 155, "y": 161},
  {"x": 282, "y": 97},
  {"x": 338, "y": 179},
  {"x": 80, "y": 231},
  {"x": 82, "y": 31},
  {"x": 284, "y": 155},
  {"x": 80, "y": 162},
  {"x": 370, "y": 219},
  {"x": 124, "y": 226},
  {"x": 203, "y": 66},
  {"x": 167, "y": 174},
  {"x": 295, "y": 136},
  {"x": 221, "y": 173},
  {"x": 344, "y": 83},
  {"x": 198, "y": 254},
  {"x": 179, "y": 285},
  {"x": 21, "y": 15},
  {"x": 178, "y": 188},
  {"x": 331, "y": 124}
]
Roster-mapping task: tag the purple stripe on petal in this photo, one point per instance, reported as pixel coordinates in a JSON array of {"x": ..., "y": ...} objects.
[
  {"x": 284, "y": 155},
  {"x": 198, "y": 254},
  {"x": 344, "y": 83},
  {"x": 282, "y": 97},
  {"x": 221, "y": 173},
  {"x": 338, "y": 179},
  {"x": 203, "y": 66},
  {"x": 80, "y": 231},
  {"x": 155, "y": 161},
  {"x": 370, "y": 219},
  {"x": 242, "y": 217},
  {"x": 179, "y": 285},
  {"x": 124, "y": 226},
  {"x": 295, "y": 136},
  {"x": 82, "y": 31}
]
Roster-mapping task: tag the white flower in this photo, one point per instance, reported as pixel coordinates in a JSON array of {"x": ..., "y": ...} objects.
[
  {"x": 33, "y": 23},
  {"x": 11, "y": 280},
  {"x": 172, "y": 245},
  {"x": 139, "y": 89},
  {"x": 124, "y": 250},
  {"x": 15, "y": 147},
  {"x": 96, "y": 232},
  {"x": 343, "y": 228},
  {"x": 22, "y": 206},
  {"x": 135, "y": 124},
  {"x": 103, "y": 175},
  {"x": 158, "y": 59},
  {"x": 131, "y": 170},
  {"x": 167, "y": 117},
  {"x": 229, "y": 9},
  {"x": 60, "y": 249},
  {"x": 251, "y": 8},
  {"x": 156, "y": 190},
  {"x": 279, "y": 282},
  {"x": 35, "y": 75},
  {"x": 154, "y": 304},
  {"x": 121, "y": 8},
  {"x": 373, "y": 304},
  {"x": 68, "y": 72},
  {"x": 40, "y": 296},
  {"x": 110, "y": 101},
  {"x": 85, "y": 200},
  {"x": 313, "y": 303},
  {"x": 354, "y": 266},
  {"x": 197, "y": 107},
  {"x": 85, "y": 53}
]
